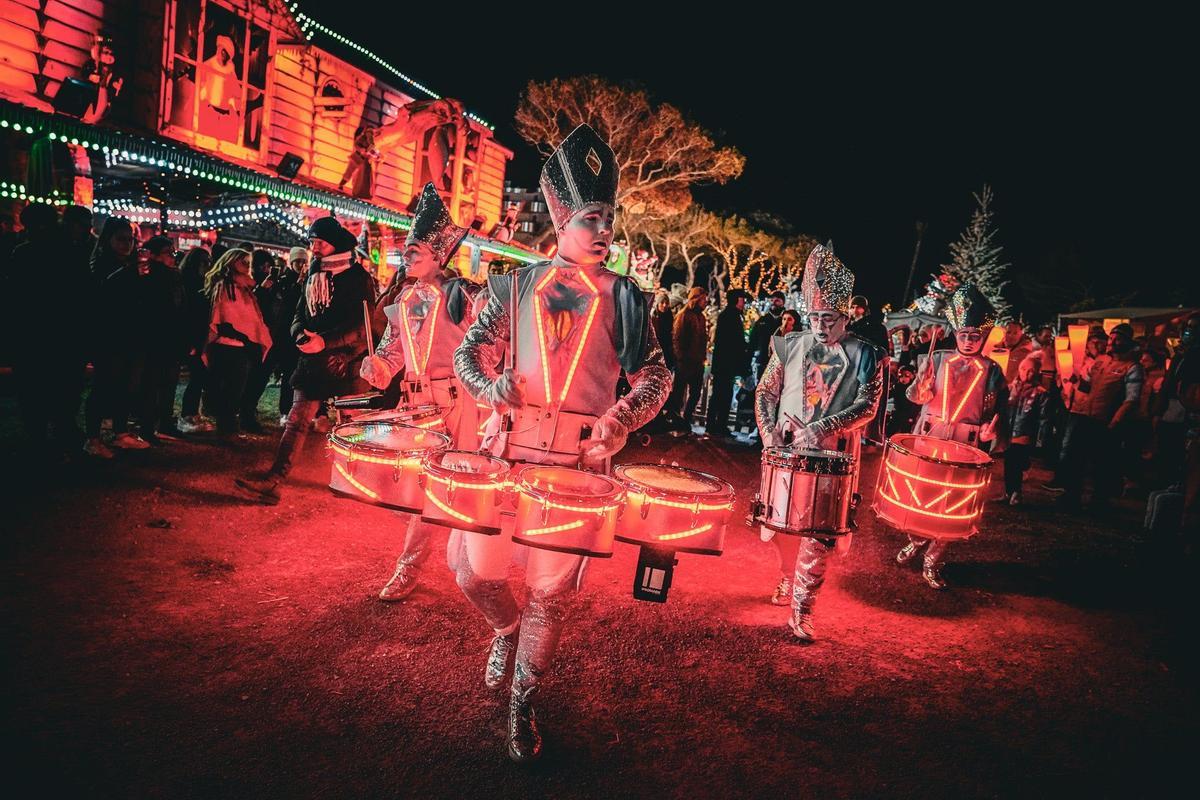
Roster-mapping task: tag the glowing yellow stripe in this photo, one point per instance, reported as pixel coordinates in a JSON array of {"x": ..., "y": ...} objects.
[
  {"x": 963, "y": 401},
  {"x": 447, "y": 509},
  {"x": 566, "y": 526},
  {"x": 932, "y": 481},
  {"x": 576, "y": 509},
  {"x": 962, "y": 502},
  {"x": 923, "y": 512},
  {"x": 912, "y": 491},
  {"x": 587, "y": 328},
  {"x": 537, "y": 314},
  {"x": 453, "y": 484},
  {"x": 655, "y": 501},
  {"x": 350, "y": 479},
  {"x": 945, "y": 383},
  {"x": 941, "y": 496},
  {"x": 352, "y": 456},
  {"x": 892, "y": 484},
  {"x": 683, "y": 534},
  {"x": 593, "y": 307},
  {"x": 431, "y": 319}
]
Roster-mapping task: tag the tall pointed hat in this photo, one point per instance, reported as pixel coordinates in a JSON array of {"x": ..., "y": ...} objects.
[
  {"x": 433, "y": 226},
  {"x": 582, "y": 170},
  {"x": 968, "y": 308},
  {"x": 827, "y": 284}
]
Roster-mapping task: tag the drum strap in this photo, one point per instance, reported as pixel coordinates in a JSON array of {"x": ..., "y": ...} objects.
[{"x": 423, "y": 390}]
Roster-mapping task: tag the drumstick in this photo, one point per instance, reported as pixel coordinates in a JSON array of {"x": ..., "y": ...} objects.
[{"x": 367, "y": 326}]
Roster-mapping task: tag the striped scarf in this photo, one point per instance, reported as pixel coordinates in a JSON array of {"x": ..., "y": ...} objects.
[{"x": 318, "y": 292}]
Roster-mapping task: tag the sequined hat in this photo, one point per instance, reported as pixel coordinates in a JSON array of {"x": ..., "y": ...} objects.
[
  {"x": 968, "y": 308},
  {"x": 827, "y": 285},
  {"x": 433, "y": 226},
  {"x": 582, "y": 170}
]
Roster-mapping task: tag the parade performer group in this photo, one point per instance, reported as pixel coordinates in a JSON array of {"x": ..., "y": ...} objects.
[{"x": 544, "y": 348}]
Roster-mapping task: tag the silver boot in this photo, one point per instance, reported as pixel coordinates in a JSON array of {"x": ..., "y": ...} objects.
[
  {"x": 783, "y": 592},
  {"x": 500, "y": 656},
  {"x": 524, "y": 740},
  {"x": 932, "y": 571},
  {"x": 909, "y": 550},
  {"x": 811, "y": 562},
  {"x": 408, "y": 566}
]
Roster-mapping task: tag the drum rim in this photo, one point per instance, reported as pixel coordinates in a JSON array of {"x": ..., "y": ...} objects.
[
  {"x": 771, "y": 458},
  {"x": 467, "y": 477},
  {"x": 723, "y": 489},
  {"x": 420, "y": 412},
  {"x": 696, "y": 551},
  {"x": 368, "y": 448},
  {"x": 542, "y": 494},
  {"x": 946, "y": 462}
]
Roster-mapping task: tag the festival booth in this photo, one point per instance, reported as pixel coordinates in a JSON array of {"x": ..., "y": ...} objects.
[
  {"x": 234, "y": 119},
  {"x": 1144, "y": 321}
]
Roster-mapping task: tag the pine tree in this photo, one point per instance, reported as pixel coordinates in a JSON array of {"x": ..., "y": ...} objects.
[{"x": 977, "y": 259}]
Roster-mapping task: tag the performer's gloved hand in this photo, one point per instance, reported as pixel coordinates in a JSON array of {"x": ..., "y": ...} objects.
[
  {"x": 506, "y": 392},
  {"x": 771, "y": 437},
  {"x": 987, "y": 431},
  {"x": 375, "y": 371},
  {"x": 608, "y": 437},
  {"x": 805, "y": 438}
]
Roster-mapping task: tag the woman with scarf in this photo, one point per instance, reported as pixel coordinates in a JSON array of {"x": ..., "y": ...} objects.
[{"x": 238, "y": 338}]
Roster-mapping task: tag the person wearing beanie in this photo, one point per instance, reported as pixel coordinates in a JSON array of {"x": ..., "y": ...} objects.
[
  {"x": 866, "y": 325},
  {"x": 730, "y": 358},
  {"x": 328, "y": 331},
  {"x": 167, "y": 341}
]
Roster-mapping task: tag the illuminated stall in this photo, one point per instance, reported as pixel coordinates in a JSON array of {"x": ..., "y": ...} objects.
[{"x": 234, "y": 118}]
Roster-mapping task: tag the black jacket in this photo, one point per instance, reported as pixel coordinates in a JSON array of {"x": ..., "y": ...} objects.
[
  {"x": 334, "y": 370},
  {"x": 870, "y": 329},
  {"x": 663, "y": 324},
  {"x": 760, "y": 335},
  {"x": 731, "y": 354}
]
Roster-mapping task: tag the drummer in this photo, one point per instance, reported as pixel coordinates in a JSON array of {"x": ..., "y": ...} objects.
[
  {"x": 425, "y": 325},
  {"x": 579, "y": 326},
  {"x": 820, "y": 388},
  {"x": 962, "y": 395}
]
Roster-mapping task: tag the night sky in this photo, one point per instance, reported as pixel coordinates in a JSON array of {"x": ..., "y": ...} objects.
[{"x": 854, "y": 136}]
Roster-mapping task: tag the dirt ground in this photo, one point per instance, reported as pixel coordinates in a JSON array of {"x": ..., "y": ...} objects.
[{"x": 166, "y": 639}]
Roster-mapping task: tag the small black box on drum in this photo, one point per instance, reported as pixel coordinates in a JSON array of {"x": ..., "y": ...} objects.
[{"x": 652, "y": 580}]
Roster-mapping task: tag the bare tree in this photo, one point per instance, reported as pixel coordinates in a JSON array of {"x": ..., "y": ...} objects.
[{"x": 661, "y": 154}]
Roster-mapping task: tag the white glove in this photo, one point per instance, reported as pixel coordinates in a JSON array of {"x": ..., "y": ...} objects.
[
  {"x": 506, "y": 392},
  {"x": 771, "y": 437},
  {"x": 805, "y": 438},
  {"x": 608, "y": 437},
  {"x": 375, "y": 371}
]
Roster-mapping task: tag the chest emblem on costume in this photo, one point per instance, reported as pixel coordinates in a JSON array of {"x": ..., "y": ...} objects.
[
  {"x": 419, "y": 307},
  {"x": 823, "y": 372},
  {"x": 564, "y": 311}
]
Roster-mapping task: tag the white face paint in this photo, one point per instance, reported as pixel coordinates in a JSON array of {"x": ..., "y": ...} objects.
[
  {"x": 585, "y": 239},
  {"x": 421, "y": 262},
  {"x": 970, "y": 340},
  {"x": 828, "y": 326}
]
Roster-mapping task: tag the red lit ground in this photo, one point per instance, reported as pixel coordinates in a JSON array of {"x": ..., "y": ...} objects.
[{"x": 166, "y": 639}]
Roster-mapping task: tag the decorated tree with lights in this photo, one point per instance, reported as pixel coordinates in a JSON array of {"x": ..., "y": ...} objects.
[{"x": 978, "y": 259}]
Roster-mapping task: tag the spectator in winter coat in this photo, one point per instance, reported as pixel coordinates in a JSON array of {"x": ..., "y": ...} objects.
[
  {"x": 328, "y": 331},
  {"x": 1019, "y": 346},
  {"x": 731, "y": 358},
  {"x": 167, "y": 343},
  {"x": 1026, "y": 403},
  {"x": 864, "y": 324},
  {"x": 663, "y": 320},
  {"x": 689, "y": 337},
  {"x": 278, "y": 296},
  {"x": 764, "y": 328},
  {"x": 238, "y": 338},
  {"x": 197, "y": 310}
]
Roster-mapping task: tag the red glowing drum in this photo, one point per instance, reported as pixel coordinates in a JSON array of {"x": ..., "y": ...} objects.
[
  {"x": 569, "y": 510},
  {"x": 932, "y": 488},
  {"x": 379, "y": 462},
  {"x": 672, "y": 507},
  {"x": 425, "y": 417},
  {"x": 806, "y": 492},
  {"x": 464, "y": 490}
]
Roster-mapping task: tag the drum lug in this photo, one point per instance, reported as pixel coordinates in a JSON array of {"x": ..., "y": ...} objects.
[
  {"x": 645, "y": 510},
  {"x": 397, "y": 471},
  {"x": 421, "y": 480},
  {"x": 450, "y": 493},
  {"x": 545, "y": 514}
]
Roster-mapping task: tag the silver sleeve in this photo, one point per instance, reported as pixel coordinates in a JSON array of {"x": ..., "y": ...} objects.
[
  {"x": 861, "y": 409},
  {"x": 390, "y": 350},
  {"x": 476, "y": 358},
  {"x": 766, "y": 396},
  {"x": 651, "y": 385}
]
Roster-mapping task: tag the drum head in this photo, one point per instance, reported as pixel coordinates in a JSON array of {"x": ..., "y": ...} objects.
[
  {"x": 457, "y": 463},
  {"x": 566, "y": 483},
  {"x": 940, "y": 451},
  {"x": 671, "y": 480},
  {"x": 388, "y": 437},
  {"x": 410, "y": 415}
]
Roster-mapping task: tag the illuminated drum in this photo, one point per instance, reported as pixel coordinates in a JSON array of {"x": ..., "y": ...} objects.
[
  {"x": 464, "y": 490},
  {"x": 425, "y": 417},
  {"x": 379, "y": 462},
  {"x": 806, "y": 492},
  {"x": 569, "y": 510},
  {"x": 672, "y": 507},
  {"x": 932, "y": 488}
]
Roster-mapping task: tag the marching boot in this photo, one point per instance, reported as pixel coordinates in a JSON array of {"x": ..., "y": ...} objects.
[
  {"x": 408, "y": 566},
  {"x": 810, "y": 576},
  {"x": 908, "y": 551},
  {"x": 261, "y": 490},
  {"x": 524, "y": 741},
  {"x": 783, "y": 592},
  {"x": 932, "y": 568},
  {"x": 500, "y": 656},
  {"x": 495, "y": 601}
]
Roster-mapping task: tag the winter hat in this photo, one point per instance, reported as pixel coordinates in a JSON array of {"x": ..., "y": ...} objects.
[
  {"x": 328, "y": 229},
  {"x": 695, "y": 293},
  {"x": 156, "y": 244},
  {"x": 1124, "y": 329},
  {"x": 297, "y": 253}
]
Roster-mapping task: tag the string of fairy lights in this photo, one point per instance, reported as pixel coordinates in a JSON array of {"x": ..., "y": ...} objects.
[
  {"x": 119, "y": 148},
  {"x": 308, "y": 25}
]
